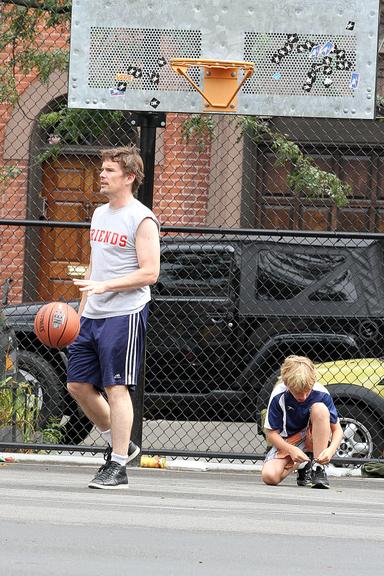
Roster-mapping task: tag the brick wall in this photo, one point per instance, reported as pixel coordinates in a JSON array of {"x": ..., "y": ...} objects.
[{"x": 181, "y": 180}]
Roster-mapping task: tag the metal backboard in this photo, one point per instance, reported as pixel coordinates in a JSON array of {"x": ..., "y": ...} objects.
[{"x": 314, "y": 59}]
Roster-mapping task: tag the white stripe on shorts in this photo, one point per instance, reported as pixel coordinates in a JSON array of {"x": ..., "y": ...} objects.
[{"x": 130, "y": 358}]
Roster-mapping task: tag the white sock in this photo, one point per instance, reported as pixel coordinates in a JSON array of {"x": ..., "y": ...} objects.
[
  {"x": 122, "y": 460},
  {"x": 106, "y": 436}
]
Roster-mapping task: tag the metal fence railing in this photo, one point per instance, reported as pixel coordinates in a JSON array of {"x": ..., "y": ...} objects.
[{"x": 229, "y": 306}]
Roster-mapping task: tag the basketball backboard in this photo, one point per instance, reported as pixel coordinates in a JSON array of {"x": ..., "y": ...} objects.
[{"x": 314, "y": 59}]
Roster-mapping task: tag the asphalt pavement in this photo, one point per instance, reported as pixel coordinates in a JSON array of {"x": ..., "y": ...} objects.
[{"x": 185, "y": 523}]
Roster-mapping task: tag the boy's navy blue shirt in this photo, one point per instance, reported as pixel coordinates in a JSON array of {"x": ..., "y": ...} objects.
[{"x": 288, "y": 416}]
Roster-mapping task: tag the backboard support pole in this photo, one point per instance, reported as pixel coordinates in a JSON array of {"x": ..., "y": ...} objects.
[{"x": 148, "y": 123}]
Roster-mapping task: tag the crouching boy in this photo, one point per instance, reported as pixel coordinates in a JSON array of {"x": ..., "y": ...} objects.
[{"x": 302, "y": 425}]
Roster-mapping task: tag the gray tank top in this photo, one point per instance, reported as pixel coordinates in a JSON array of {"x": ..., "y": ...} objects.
[{"x": 112, "y": 237}]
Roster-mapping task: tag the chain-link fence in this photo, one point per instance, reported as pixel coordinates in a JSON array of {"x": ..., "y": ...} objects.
[{"x": 271, "y": 245}]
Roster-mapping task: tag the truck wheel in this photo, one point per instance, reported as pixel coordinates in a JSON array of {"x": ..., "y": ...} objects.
[
  {"x": 363, "y": 434},
  {"x": 43, "y": 384}
]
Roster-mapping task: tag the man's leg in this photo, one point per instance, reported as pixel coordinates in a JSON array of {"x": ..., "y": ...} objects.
[
  {"x": 113, "y": 474},
  {"x": 92, "y": 403},
  {"x": 97, "y": 409},
  {"x": 121, "y": 341},
  {"x": 121, "y": 411}
]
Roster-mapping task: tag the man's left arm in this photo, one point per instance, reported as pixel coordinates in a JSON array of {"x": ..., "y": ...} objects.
[{"x": 148, "y": 257}]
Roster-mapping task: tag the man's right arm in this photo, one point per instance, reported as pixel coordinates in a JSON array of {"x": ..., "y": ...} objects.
[{"x": 83, "y": 300}]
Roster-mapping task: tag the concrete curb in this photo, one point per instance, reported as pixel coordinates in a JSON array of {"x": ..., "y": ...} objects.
[
  {"x": 54, "y": 458},
  {"x": 230, "y": 467},
  {"x": 178, "y": 464}
]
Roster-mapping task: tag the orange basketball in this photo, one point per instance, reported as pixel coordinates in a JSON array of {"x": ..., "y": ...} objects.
[{"x": 57, "y": 324}]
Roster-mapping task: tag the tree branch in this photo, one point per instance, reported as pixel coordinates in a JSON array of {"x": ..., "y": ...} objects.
[{"x": 40, "y": 5}]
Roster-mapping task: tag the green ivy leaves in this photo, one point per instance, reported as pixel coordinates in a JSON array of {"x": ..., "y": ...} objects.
[{"x": 304, "y": 174}]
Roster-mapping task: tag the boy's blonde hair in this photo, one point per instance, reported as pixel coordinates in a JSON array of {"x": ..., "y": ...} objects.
[
  {"x": 298, "y": 373},
  {"x": 129, "y": 160}
]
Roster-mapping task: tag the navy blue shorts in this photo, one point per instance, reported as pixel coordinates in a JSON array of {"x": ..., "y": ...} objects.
[{"x": 108, "y": 351}]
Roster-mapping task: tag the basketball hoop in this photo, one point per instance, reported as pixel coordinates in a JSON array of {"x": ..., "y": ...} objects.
[{"x": 221, "y": 80}]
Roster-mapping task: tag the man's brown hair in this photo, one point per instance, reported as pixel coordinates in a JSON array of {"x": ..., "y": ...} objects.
[{"x": 129, "y": 160}]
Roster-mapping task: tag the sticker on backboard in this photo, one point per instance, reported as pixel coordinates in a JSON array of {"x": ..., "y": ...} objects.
[
  {"x": 308, "y": 46},
  {"x": 276, "y": 58},
  {"x": 355, "y": 80},
  {"x": 154, "y": 102},
  {"x": 340, "y": 54},
  {"x": 277, "y": 76},
  {"x": 124, "y": 77},
  {"x": 326, "y": 49},
  {"x": 315, "y": 51},
  {"x": 121, "y": 86},
  {"x": 343, "y": 65},
  {"x": 311, "y": 77},
  {"x": 154, "y": 77},
  {"x": 292, "y": 38}
]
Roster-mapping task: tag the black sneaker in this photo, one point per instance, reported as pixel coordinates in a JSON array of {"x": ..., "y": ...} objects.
[
  {"x": 319, "y": 476},
  {"x": 110, "y": 476},
  {"x": 304, "y": 475},
  {"x": 133, "y": 451},
  {"x": 107, "y": 458},
  {"x": 107, "y": 454}
]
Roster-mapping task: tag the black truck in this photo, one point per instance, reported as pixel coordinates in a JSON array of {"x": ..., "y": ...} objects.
[{"x": 224, "y": 315}]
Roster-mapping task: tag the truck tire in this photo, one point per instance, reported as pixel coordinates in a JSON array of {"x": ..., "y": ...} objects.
[
  {"x": 363, "y": 434},
  {"x": 44, "y": 383}
]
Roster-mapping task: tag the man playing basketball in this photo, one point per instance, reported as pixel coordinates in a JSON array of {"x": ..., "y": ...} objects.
[
  {"x": 302, "y": 425},
  {"x": 106, "y": 356}
]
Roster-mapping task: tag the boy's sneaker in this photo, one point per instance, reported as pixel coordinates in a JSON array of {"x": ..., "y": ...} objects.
[
  {"x": 110, "y": 476},
  {"x": 304, "y": 475},
  {"x": 319, "y": 476}
]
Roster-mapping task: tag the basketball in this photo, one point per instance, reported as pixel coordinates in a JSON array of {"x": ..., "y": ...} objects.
[{"x": 57, "y": 324}]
